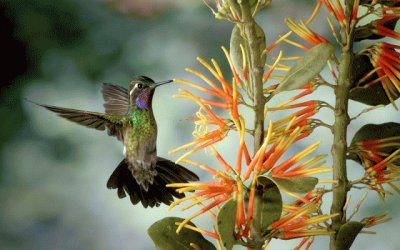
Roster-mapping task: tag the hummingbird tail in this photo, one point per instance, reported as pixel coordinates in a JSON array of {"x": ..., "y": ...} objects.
[{"x": 157, "y": 193}]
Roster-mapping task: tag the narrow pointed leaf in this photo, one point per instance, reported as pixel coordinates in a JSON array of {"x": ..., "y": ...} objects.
[
  {"x": 226, "y": 221},
  {"x": 267, "y": 204},
  {"x": 296, "y": 184},
  {"x": 163, "y": 233},
  {"x": 306, "y": 68},
  {"x": 347, "y": 234},
  {"x": 236, "y": 52}
]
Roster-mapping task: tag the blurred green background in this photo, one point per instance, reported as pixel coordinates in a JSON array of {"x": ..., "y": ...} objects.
[{"x": 53, "y": 172}]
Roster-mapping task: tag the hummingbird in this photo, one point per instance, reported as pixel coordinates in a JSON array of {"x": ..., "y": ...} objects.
[{"x": 129, "y": 117}]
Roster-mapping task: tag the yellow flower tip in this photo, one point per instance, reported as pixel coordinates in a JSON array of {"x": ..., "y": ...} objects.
[
  {"x": 179, "y": 80},
  {"x": 180, "y": 159},
  {"x": 170, "y": 207}
]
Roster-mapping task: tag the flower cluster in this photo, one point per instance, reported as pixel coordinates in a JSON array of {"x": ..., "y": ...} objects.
[
  {"x": 301, "y": 221},
  {"x": 381, "y": 163},
  {"x": 242, "y": 178},
  {"x": 238, "y": 181},
  {"x": 386, "y": 60},
  {"x": 230, "y": 10}
]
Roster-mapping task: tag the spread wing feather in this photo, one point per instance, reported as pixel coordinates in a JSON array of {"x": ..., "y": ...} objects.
[
  {"x": 116, "y": 99},
  {"x": 98, "y": 121}
]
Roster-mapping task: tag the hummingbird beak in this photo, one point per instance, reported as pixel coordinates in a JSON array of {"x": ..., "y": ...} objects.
[{"x": 161, "y": 83}]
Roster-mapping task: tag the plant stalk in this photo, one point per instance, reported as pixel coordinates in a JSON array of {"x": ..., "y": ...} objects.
[
  {"x": 256, "y": 71},
  {"x": 339, "y": 147}
]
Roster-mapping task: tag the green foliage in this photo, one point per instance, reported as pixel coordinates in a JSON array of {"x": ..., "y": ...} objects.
[
  {"x": 368, "y": 94},
  {"x": 236, "y": 52},
  {"x": 306, "y": 68},
  {"x": 375, "y": 132},
  {"x": 296, "y": 184},
  {"x": 163, "y": 233},
  {"x": 267, "y": 204},
  {"x": 226, "y": 221},
  {"x": 347, "y": 234}
]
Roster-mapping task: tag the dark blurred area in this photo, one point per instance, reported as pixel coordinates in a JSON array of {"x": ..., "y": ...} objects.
[
  {"x": 59, "y": 52},
  {"x": 53, "y": 173}
]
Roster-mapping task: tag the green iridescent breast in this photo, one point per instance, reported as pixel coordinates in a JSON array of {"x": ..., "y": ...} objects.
[{"x": 143, "y": 122}]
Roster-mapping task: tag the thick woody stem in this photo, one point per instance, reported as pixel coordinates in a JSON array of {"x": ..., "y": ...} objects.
[{"x": 339, "y": 147}]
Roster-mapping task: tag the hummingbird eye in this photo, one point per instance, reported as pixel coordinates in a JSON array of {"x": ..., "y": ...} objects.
[{"x": 139, "y": 85}]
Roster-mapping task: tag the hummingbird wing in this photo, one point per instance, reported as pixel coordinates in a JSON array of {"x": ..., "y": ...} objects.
[
  {"x": 116, "y": 99},
  {"x": 95, "y": 120}
]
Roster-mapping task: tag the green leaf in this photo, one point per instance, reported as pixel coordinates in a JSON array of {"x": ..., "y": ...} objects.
[
  {"x": 296, "y": 184},
  {"x": 267, "y": 204},
  {"x": 375, "y": 132},
  {"x": 347, "y": 234},
  {"x": 226, "y": 221},
  {"x": 163, "y": 233},
  {"x": 236, "y": 52},
  {"x": 371, "y": 95},
  {"x": 306, "y": 68}
]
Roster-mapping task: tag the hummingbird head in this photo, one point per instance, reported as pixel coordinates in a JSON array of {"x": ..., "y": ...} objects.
[{"x": 141, "y": 91}]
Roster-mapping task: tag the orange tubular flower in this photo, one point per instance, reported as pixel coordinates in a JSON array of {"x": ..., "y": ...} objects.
[
  {"x": 354, "y": 12},
  {"x": 301, "y": 118},
  {"x": 380, "y": 167},
  {"x": 228, "y": 98},
  {"x": 301, "y": 223},
  {"x": 286, "y": 168},
  {"x": 204, "y": 138},
  {"x": 386, "y": 60},
  {"x": 218, "y": 192},
  {"x": 388, "y": 14},
  {"x": 375, "y": 220},
  {"x": 305, "y": 33},
  {"x": 382, "y": 30},
  {"x": 303, "y": 241},
  {"x": 266, "y": 159},
  {"x": 335, "y": 8}
]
